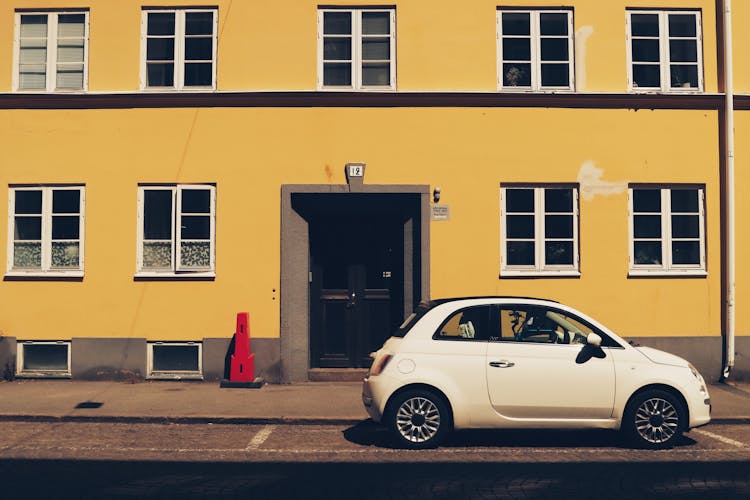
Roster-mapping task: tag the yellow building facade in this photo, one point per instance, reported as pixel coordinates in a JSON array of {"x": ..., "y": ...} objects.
[{"x": 325, "y": 167}]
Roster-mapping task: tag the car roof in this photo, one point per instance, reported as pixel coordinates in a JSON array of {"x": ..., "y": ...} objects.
[{"x": 435, "y": 302}]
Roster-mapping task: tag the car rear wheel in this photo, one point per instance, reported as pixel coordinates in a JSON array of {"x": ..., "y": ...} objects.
[
  {"x": 654, "y": 419},
  {"x": 419, "y": 419}
]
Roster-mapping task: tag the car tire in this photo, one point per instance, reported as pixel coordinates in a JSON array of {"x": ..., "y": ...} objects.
[
  {"x": 654, "y": 419},
  {"x": 418, "y": 419}
]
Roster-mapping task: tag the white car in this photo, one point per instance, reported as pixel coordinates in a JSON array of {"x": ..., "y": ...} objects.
[{"x": 510, "y": 362}]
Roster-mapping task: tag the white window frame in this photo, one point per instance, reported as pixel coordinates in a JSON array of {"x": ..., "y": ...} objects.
[
  {"x": 664, "y": 61},
  {"x": 20, "y": 372},
  {"x": 356, "y": 61},
  {"x": 179, "y": 47},
  {"x": 51, "y": 73},
  {"x": 176, "y": 269},
  {"x": 173, "y": 374},
  {"x": 667, "y": 268},
  {"x": 536, "y": 50},
  {"x": 540, "y": 268},
  {"x": 46, "y": 268}
]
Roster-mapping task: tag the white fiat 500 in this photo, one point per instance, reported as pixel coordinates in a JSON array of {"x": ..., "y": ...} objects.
[{"x": 509, "y": 362}]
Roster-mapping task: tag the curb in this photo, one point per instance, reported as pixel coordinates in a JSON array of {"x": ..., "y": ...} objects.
[{"x": 186, "y": 420}]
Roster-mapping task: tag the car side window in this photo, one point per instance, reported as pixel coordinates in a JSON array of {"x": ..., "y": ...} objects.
[
  {"x": 540, "y": 325},
  {"x": 472, "y": 323}
]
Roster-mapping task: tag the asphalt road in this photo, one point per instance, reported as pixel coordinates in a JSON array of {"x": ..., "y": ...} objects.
[{"x": 135, "y": 461}]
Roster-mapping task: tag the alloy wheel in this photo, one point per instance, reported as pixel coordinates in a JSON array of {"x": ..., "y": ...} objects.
[
  {"x": 418, "y": 420},
  {"x": 657, "y": 420}
]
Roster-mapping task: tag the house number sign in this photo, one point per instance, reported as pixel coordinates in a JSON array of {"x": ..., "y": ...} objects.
[{"x": 356, "y": 170}]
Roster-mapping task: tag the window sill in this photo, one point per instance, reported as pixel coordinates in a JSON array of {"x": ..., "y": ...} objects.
[
  {"x": 687, "y": 91},
  {"x": 352, "y": 89},
  {"x": 175, "y": 276},
  {"x": 512, "y": 273},
  {"x": 166, "y": 375},
  {"x": 45, "y": 91},
  {"x": 44, "y": 374},
  {"x": 43, "y": 276},
  {"x": 678, "y": 273},
  {"x": 172, "y": 90},
  {"x": 524, "y": 90}
]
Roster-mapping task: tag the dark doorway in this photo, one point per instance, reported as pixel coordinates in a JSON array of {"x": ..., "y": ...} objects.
[{"x": 362, "y": 264}]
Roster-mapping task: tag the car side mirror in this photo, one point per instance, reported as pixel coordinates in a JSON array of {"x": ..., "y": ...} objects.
[{"x": 594, "y": 339}]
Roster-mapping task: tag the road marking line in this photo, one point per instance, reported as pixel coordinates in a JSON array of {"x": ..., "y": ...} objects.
[
  {"x": 260, "y": 437},
  {"x": 723, "y": 439}
]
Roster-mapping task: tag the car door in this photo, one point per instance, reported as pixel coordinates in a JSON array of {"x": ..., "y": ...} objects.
[{"x": 539, "y": 367}]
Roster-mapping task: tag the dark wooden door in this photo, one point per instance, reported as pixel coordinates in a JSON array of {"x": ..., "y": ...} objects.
[{"x": 356, "y": 289}]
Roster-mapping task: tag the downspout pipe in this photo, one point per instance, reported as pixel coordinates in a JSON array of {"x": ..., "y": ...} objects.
[{"x": 730, "y": 309}]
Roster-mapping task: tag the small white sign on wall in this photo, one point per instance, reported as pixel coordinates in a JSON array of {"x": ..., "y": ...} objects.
[
  {"x": 441, "y": 212},
  {"x": 356, "y": 170}
]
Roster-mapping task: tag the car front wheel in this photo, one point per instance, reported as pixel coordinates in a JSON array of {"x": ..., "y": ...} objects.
[
  {"x": 418, "y": 419},
  {"x": 654, "y": 419}
]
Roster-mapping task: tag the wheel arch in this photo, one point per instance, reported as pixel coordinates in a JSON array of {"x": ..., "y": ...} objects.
[
  {"x": 685, "y": 424},
  {"x": 424, "y": 387}
]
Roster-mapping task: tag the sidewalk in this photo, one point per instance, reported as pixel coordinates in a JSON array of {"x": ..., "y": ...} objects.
[{"x": 202, "y": 402}]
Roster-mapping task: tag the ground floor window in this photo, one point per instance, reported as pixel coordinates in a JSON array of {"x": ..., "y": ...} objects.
[
  {"x": 43, "y": 359},
  {"x": 175, "y": 360}
]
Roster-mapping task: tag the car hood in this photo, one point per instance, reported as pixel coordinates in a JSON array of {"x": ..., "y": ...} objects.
[{"x": 661, "y": 357}]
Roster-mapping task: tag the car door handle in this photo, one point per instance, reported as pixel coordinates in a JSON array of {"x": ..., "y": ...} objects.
[{"x": 502, "y": 364}]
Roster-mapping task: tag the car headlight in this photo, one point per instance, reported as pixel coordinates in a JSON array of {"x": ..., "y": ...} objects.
[{"x": 698, "y": 377}]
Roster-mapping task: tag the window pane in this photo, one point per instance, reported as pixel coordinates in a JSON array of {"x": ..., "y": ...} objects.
[
  {"x": 682, "y": 25},
  {"x": 71, "y": 26},
  {"x": 378, "y": 74},
  {"x": 160, "y": 49},
  {"x": 376, "y": 23},
  {"x": 553, "y": 24},
  {"x": 555, "y": 75},
  {"x": 647, "y": 252},
  {"x": 32, "y": 78},
  {"x": 157, "y": 255},
  {"x": 160, "y": 74},
  {"x": 683, "y": 51},
  {"x": 69, "y": 78},
  {"x": 157, "y": 215},
  {"x": 198, "y": 74},
  {"x": 516, "y": 75},
  {"x": 647, "y": 226},
  {"x": 647, "y": 200},
  {"x": 45, "y": 357},
  {"x": 520, "y": 226},
  {"x": 644, "y": 24},
  {"x": 558, "y": 253},
  {"x": 27, "y": 255},
  {"x": 196, "y": 201},
  {"x": 646, "y": 76},
  {"x": 558, "y": 200},
  {"x": 28, "y": 228},
  {"x": 520, "y": 253},
  {"x": 28, "y": 202},
  {"x": 199, "y": 49},
  {"x": 337, "y": 49},
  {"x": 65, "y": 227},
  {"x": 33, "y": 53},
  {"x": 337, "y": 23},
  {"x": 195, "y": 254},
  {"x": 519, "y": 200},
  {"x": 175, "y": 357},
  {"x": 685, "y": 226},
  {"x": 684, "y": 76},
  {"x": 196, "y": 227},
  {"x": 472, "y": 323},
  {"x": 684, "y": 200},
  {"x": 199, "y": 23},
  {"x": 66, "y": 201},
  {"x": 686, "y": 252},
  {"x": 516, "y": 23},
  {"x": 34, "y": 26},
  {"x": 376, "y": 49},
  {"x": 65, "y": 254},
  {"x": 645, "y": 50},
  {"x": 516, "y": 49},
  {"x": 554, "y": 49},
  {"x": 558, "y": 226},
  {"x": 337, "y": 74},
  {"x": 161, "y": 23}
]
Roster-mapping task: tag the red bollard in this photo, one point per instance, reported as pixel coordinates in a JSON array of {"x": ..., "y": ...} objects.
[{"x": 242, "y": 361}]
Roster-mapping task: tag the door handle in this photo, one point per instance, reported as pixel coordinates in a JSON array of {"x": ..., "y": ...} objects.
[
  {"x": 502, "y": 364},
  {"x": 352, "y": 300}
]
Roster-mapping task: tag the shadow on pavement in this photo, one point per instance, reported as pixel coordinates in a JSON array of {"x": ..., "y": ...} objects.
[{"x": 369, "y": 433}]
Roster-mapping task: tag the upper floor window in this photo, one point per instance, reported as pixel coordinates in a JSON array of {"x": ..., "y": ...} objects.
[
  {"x": 52, "y": 51},
  {"x": 535, "y": 49},
  {"x": 664, "y": 49},
  {"x": 46, "y": 230},
  {"x": 667, "y": 233},
  {"x": 539, "y": 230},
  {"x": 177, "y": 229},
  {"x": 179, "y": 49},
  {"x": 357, "y": 49}
]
